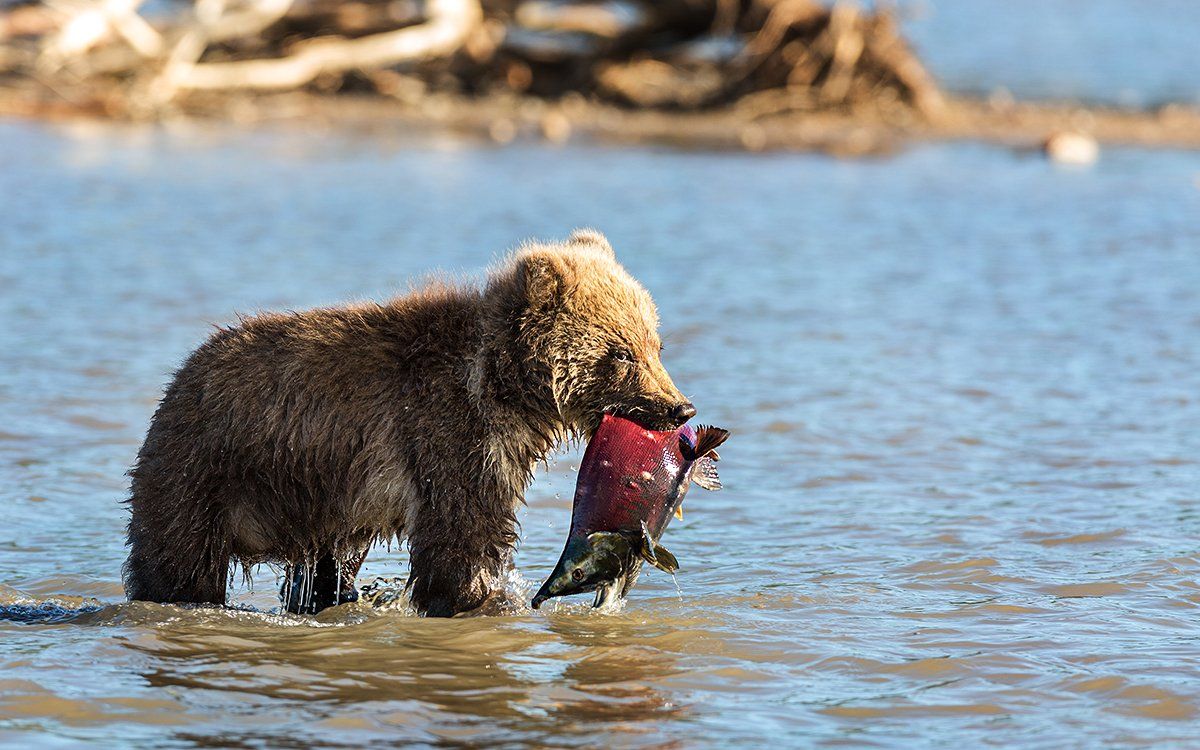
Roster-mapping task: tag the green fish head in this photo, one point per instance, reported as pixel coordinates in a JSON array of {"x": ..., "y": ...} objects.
[{"x": 586, "y": 564}]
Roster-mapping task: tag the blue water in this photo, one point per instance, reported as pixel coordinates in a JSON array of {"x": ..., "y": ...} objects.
[
  {"x": 1114, "y": 51},
  {"x": 960, "y": 501}
]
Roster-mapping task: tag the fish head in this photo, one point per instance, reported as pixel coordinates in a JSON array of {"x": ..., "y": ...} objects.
[{"x": 597, "y": 561}]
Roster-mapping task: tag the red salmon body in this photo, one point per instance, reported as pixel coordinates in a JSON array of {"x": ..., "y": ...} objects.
[
  {"x": 631, "y": 482},
  {"x": 630, "y": 475}
]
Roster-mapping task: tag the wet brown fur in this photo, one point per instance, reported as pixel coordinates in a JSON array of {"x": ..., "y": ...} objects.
[{"x": 302, "y": 436}]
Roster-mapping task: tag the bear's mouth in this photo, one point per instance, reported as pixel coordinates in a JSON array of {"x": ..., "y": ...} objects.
[{"x": 643, "y": 419}]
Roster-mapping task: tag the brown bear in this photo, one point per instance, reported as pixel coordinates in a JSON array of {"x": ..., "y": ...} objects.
[{"x": 302, "y": 438}]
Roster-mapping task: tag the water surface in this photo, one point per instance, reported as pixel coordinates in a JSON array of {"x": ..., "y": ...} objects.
[
  {"x": 1137, "y": 54},
  {"x": 961, "y": 500}
]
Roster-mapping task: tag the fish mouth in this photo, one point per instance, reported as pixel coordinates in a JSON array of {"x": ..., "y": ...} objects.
[
  {"x": 645, "y": 420},
  {"x": 543, "y": 597},
  {"x": 547, "y": 592},
  {"x": 608, "y": 593},
  {"x": 552, "y": 589}
]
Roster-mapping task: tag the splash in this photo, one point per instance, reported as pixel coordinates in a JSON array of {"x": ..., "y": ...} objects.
[
  {"x": 49, "y": 612},
  {"x": 387, "y": 594},
  {"x": 19, "y": 607},
  {"x": 678, "y": 590}
]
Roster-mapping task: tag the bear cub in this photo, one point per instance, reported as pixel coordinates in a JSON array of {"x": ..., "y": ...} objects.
[{"x": 302, "y": 438}]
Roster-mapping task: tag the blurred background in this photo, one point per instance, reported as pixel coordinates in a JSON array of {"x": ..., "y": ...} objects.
[{"x": 934, "y": 264}]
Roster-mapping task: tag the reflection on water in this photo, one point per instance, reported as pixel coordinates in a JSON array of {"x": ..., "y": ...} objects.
[{"x": 960, "y": 503}]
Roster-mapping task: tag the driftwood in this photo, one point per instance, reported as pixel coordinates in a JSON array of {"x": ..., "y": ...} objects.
[
  {"x": 94, "y": 23},
  {"x": 761, "y": 55},
  {"x": 449, "y": 23}
]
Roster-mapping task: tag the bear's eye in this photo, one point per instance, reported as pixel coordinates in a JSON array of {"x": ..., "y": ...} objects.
[
  {"x": 577, "y": 574},
  {"x": 622, "y": 355}
]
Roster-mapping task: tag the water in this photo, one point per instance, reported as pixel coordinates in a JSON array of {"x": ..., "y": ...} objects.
[
  {"x": 961, "y": 494},
  {"x": 1114, "y": 51}
]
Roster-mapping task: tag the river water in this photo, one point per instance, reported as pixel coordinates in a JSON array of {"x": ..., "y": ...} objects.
[
  {"x": 962, "y": 494},
  {"x": 1112, "y": 51}
]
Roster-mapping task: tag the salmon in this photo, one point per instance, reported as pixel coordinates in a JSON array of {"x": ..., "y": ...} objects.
[{"x": 631, "y": 483}]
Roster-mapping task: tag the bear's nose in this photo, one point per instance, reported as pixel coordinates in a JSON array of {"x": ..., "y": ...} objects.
[{"x": 683, "y": 412}]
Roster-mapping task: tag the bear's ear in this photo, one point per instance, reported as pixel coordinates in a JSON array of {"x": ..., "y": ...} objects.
[
  {"x": 591, "y": 238},
  {"x": 545, "y": 276}
]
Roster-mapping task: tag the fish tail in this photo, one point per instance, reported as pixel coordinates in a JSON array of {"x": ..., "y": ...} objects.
[{"x": 708, "y": 439}]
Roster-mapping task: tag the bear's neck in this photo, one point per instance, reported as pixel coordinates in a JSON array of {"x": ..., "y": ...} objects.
[{"x": 512, "y": 387}]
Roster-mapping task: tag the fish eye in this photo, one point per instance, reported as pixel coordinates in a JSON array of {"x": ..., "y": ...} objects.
[{"x": 577, "y": 574}]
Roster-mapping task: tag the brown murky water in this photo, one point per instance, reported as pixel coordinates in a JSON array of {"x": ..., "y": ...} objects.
[{"x": 961, "y": 497}]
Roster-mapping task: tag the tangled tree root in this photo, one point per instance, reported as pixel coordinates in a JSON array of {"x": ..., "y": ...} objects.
[{"x": 764, "y": 56}]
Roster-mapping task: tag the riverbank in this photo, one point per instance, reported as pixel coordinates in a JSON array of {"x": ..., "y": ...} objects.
[
  {"x": 777, "y": 75},
  {"x": 745, "y": 126}
]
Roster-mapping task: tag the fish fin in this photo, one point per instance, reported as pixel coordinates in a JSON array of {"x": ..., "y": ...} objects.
[
  {"x": 645, "y": 545},
  {"x": 649, "y": 553},
  {"x": 679, "y": 511},
  {"x": 708, "y": 438},
  {"x": 656, "y": 554},
  {"x": 705, "y": 475},
  {"x": 664, "y": 560}
]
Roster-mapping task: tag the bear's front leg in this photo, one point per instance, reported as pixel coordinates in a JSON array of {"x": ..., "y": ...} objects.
[{"x": 460, "y": 546}]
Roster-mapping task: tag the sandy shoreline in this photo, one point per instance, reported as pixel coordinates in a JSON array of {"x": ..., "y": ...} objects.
[{"x": 502, "y": 119}]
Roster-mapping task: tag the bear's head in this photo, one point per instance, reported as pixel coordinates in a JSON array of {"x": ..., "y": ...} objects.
[{"x": 588, "y": 334}]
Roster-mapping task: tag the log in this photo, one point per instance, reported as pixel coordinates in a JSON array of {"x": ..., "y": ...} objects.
[
  {"x": 247, "y": 21},
  {"x": 351, "y": 18},
  {"x": 448, "y": 25},
  {"x": 651, "y": 83},
  {"x": 93, "y": 24},
  {"x": 186, "y": 52},
  {"x": 771, "y": 55},
  {"x": 889, "y": 48},
  {"x": 848, "y": 45},
  {"x": 28, "y": 21}
]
